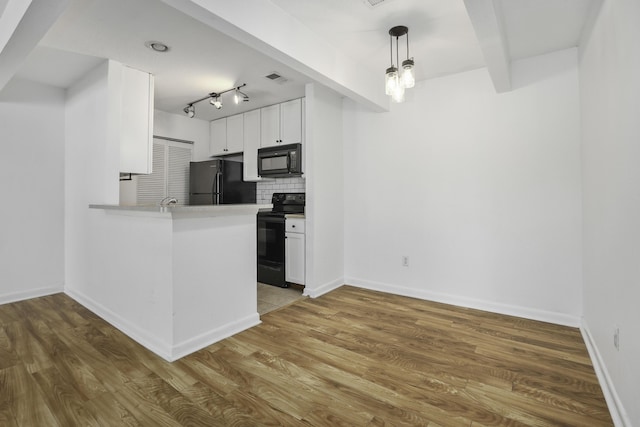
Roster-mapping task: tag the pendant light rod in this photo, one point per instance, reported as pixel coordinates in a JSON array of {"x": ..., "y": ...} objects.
[
  {"x": 391, "y": 48},
  {"x": 407, "y": 43}
]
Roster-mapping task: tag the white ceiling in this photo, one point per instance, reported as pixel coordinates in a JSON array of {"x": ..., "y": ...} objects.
[{"x": 202, "y": 60}]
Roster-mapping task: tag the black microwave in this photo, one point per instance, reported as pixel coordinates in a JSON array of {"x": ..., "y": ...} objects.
[{"x": 280, "y": 161}]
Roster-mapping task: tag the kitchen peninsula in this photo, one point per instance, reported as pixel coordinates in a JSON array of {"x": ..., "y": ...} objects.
[{"x": 175, "y": 279}]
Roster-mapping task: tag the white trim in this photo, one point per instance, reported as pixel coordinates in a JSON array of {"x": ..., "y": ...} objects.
[
  {"x": 494, "y": 307},
  {"x": 323, "y": 289},
  {"x": 168, "y": 352},
  {"x": 616, "y": 408},
  {"x": 141, "y": 336},
  {"x": 32, "y": 293},
  {"x": 206, "y": 339}
]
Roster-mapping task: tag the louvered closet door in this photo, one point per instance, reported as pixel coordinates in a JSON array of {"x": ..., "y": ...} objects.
[
  {"x": 178, "y": 173},
  {"x": 151, "y": 189},
  {"x": 170, "y": 177}
]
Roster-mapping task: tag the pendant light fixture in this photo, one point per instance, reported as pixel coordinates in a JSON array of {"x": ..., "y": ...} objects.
[{"x": 396, "y": 81}]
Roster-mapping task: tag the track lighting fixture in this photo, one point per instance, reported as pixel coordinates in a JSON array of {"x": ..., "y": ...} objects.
[
  {"x": 395, "y": 82},
  {"x": 190, "y": 111},
  {"x": 214, "y": 99},
  {"x": 240, "y": 96}
]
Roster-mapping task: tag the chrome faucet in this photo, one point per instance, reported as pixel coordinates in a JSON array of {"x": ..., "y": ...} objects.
[{"x": 168, "y": 201}]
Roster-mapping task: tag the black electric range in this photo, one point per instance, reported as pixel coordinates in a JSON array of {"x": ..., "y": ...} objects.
[{"x": 271, "y": 237}]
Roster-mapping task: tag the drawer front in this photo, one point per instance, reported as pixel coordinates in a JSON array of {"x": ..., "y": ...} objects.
[{"x": 294, "y": 225}]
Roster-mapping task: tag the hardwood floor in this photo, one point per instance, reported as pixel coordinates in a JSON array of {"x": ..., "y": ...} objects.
[{"x": 352, "y": 357}]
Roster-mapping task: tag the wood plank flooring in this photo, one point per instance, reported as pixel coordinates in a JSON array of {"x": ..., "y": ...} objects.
[{"x": 349, "y": 358}]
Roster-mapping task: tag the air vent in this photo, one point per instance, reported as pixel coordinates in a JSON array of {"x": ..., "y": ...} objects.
[
  {"x": 373, "y": 3},
  {"x": 276, "y": 77}
]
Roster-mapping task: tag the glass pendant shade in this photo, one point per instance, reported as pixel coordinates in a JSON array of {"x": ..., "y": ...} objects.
[
  {"x": 398, "y": 94},
  {"x": 408, "y": 76},
  {"x": 392, "y": 80},
  {"x": 397, "y": 80}
]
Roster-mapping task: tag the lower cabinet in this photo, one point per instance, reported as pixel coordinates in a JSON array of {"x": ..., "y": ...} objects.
[{"x": 294, "y": 250}]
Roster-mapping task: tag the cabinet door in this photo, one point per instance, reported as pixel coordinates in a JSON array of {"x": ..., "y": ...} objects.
[
  {"x": 291, "y": 122},
  {"x": 136, "y": 138},
  {"x": 251, "y": 144},
  {"x": 235, "y": 132},
  {"x": 218, "y": 137},
  {"x": 294, "y": 258},
  {"x": 270, "y": 126}
]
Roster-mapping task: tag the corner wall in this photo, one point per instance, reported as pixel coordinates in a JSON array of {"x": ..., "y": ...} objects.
[
  {"x": 324, "y": 225},
  {"x": 92, "y": 162},
  {"x": 610, "y": 108},
  {"x": 480, "y": 190},
  {"x": 32, "y": 176}
]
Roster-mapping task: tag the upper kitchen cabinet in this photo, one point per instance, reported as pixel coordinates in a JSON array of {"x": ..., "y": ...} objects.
[
  {"x": 251, "y": 145},
  {"x": 226, "y": 135},
  {"x": 136, "y": 135},
  {"x": 281, "y": 123}
]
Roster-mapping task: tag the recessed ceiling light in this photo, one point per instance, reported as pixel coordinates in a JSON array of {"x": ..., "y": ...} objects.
[{"x": 157, "y": 46}]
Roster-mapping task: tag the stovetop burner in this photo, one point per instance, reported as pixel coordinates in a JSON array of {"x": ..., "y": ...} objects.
[{"x": 288, "y": 203}]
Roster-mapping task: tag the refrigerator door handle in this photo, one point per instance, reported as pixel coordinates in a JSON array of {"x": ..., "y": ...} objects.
[{"x": 216, "y": 189}]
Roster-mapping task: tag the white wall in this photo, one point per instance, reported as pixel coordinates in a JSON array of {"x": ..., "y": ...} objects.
[
  {"x": 480, "y": 190},
  {"x": 324, "y": 228},
  {"x": 32, "y": 176},
  {"x": 610, "y": 107},
  {"x": 92, "y": 161},
  {"x": 182, "y": 127}
]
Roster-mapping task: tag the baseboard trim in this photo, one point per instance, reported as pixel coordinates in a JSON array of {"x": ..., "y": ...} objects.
[
  {"x": 32, "y": 293},
  {"x": 510, "y": 310},
  {"x": 140, "y": 336},
  {"x": 616, "y": 408},
  {"x": 197, "y": 343},
  {"x": 323, "y": 289},
  {"x": 168, "y": 352}
]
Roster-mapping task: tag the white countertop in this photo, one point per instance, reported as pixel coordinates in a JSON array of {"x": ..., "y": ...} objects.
[{"x": 187, "y": 211}]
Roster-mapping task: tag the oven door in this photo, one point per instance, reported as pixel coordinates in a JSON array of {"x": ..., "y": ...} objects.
[{"x": 271, "y": 255}]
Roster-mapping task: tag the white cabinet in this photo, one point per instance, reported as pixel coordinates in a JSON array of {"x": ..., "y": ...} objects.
[
  {"x": 217, "y": 137},
  {"x": 294, "y": 250},
  {"x": 291, "y": 122},
  {"x": 235, "y": 133},
  {"x": 226, "y": 135},
  {"x": 281, "y": 123},
  {"x": 251, "y": 144},
  {"x": 136, "y": 135},
  {"x": 270, "y": 126}
]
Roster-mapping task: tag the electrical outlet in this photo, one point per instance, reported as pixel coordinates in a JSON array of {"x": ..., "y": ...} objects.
[
  {"x": 616, "y": 338},
  {"x": 405, "y": 261}
]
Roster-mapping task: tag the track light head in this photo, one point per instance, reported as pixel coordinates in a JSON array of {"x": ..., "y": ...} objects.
[
  {"x": 215, "y": 101},
  {"x": 190, "y": 111},
  {"x": 245, "y": 97}
]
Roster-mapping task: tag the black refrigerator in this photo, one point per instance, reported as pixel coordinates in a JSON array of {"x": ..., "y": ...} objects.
[{"x": 219, "y": 182}]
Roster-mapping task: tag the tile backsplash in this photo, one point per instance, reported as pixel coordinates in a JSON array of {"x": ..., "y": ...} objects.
[{"x": 265, "y": 189}]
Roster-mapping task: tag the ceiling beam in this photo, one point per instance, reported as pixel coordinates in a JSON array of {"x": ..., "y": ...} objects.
[
  {"x": 487, "y": 20},
  {"x": 25, "y": 27},
  {"x": 265, "y": 27}
]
